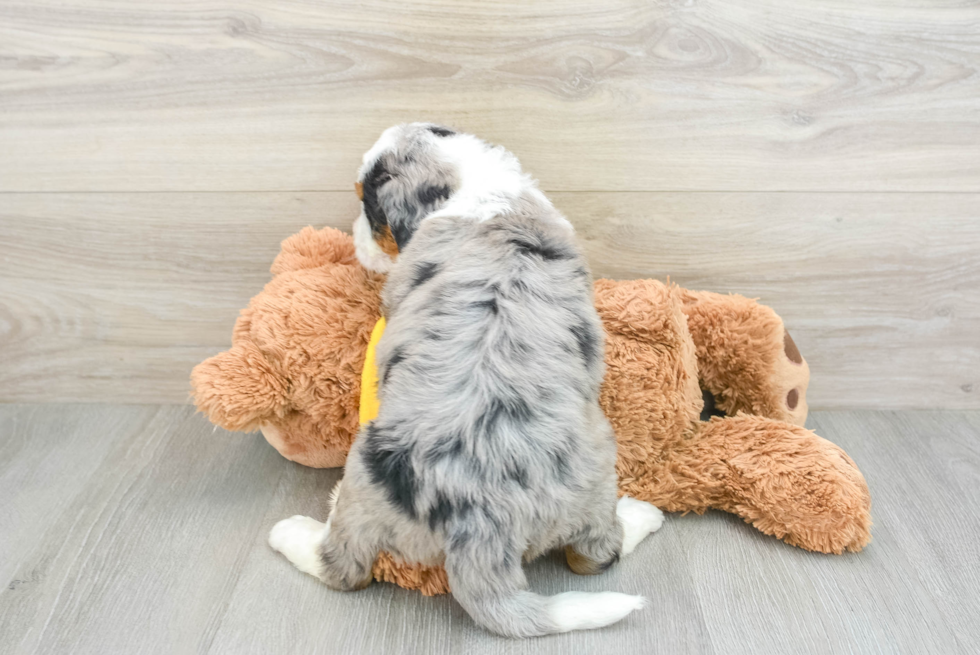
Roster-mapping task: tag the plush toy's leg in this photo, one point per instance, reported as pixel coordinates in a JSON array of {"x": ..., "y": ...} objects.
[
  {"x": 746, "y": 359},
  {"x": 783, "y": 479},
  {"x": 429, "y": 580}
]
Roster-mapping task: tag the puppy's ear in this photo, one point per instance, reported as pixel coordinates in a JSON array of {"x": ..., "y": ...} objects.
[
  {"x": 427, "y": 198},
  {"x": 430, "y": 194},
  {"x": 402, "y": 233}
]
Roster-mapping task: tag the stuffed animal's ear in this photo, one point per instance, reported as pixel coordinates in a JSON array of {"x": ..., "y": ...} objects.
[
  {"x": 311, "y": 248},
  {"x": 238, "y": 389}
]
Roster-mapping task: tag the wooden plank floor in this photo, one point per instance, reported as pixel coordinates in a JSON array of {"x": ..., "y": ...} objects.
[{"x": 141, "y": 529}]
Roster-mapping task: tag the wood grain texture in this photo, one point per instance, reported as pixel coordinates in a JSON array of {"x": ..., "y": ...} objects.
[
  {"x": 117, "y": 296},
  {"x": 123, "y": 558},
  {"x": 752, "y": 146},
  {"x": 111, "y": 95},
  {"x": 142, "y": 530}
]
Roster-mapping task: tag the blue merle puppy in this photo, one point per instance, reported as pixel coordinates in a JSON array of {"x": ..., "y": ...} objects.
[{"x": 490, "y": 446}]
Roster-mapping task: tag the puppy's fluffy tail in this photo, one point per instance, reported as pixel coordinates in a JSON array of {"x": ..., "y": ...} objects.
[{"x": 493, "y": 594}]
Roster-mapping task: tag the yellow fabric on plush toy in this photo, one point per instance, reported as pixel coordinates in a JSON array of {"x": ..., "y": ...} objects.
[{"x": 369, "y": 377}]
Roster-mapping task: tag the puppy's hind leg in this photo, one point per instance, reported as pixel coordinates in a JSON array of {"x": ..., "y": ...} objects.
[
  {"x": 485, "y": 575},
  {"x": 638, "y": 519},
  {"x": 596, "y": 547},
  {"x": 334, "y": 552},
  {"x": 600, "y": 544}
]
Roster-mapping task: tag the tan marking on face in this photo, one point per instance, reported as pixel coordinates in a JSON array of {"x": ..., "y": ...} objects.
[
  {"x": 387, "y": 242},
  {"x": 359, "y": 190},
  {"x": 792, "y": 352}
]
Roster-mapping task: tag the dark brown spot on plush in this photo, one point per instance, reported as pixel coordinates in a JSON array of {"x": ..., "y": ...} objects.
[
  {"x": 386, "y": 242},
  {"x": 792, "y": 352},
  {"x": 792, "y": 398}
]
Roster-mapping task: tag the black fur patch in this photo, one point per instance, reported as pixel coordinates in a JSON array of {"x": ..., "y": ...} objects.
[
  {"x": 444, "y": 510},
  {"x": 375, "y": 178},
  {"x": 546, "y": 251},
  {"x": 607, "y": 564},
  {"x": 560, "y": 461},
  {"x": 441, "y": 512},
  {"x": 397, "y": 357},
  {"x": 432, "y": 194},
  {"x": 403, "y": 234},
  {"x": 390, "y": 466},
  {"x": 588, "y": 341},
  {"x": 490, "y": 305},
  {"x": 515, "y": 410},
  {"x": 435, "y": 336},
  {"x": 441, "y": 131},
  {"x": 449, "y": 446},
  {"x": 424, "y": 272},
  {"x": 560, "y": 458},
  {"x": 518, "y": 474}
]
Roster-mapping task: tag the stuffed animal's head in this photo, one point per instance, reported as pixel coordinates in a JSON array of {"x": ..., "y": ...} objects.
[{"x": 294, "y": 367}]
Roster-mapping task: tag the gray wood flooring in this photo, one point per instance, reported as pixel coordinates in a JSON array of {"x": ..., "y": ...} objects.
[{"x": 141, "y": 529}]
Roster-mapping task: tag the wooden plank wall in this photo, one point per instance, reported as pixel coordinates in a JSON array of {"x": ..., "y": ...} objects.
[{"x": 822, "y": 156}]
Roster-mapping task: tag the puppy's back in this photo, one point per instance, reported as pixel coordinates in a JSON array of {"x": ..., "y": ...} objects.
[
  {"x": 492, "y": 359},
  {"x": 490, "y": 434}
]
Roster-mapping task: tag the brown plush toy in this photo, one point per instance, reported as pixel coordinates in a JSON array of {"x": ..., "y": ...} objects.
[{"x": 294, "y": 372}]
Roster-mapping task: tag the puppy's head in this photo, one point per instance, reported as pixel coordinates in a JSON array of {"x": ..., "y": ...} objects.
[{"x": 404, "y": 177}]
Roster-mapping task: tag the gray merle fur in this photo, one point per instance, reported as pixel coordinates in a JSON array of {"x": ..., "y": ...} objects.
[
  {"x": 405, "y": 185},
  {"x": 490, "y": 445}
]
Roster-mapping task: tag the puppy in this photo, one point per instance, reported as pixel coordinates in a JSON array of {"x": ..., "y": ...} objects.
[{"x": 490, "y": 446}]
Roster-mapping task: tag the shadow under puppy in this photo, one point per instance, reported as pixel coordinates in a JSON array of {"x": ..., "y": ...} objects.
[{"x": 490, "y": 445}]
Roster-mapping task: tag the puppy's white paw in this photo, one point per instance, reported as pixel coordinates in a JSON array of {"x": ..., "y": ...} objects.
[
  {"x": 639, "y": 519},
  {"x": 299, "y": 538}
]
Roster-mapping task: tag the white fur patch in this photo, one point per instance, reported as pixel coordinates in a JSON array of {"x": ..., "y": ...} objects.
[
  {"x": 639, "y": 519},
  {"x": 578, "y": 610},
  {"x": 385, "y": 142},
  {"x": 299, "y": 539},
  {"x": 490, "y": 178},
  {"x": 369, "y": 253},
  {"x": 335, "y": 496}
]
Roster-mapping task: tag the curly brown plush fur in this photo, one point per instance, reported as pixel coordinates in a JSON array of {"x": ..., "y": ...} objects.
[
  {"x": 294, "y": 369},
  {"x": 298, "y": 349}
]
